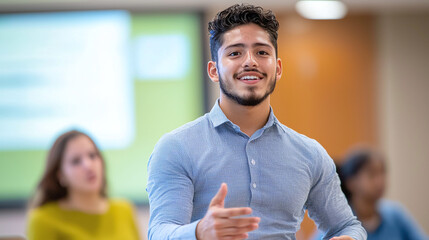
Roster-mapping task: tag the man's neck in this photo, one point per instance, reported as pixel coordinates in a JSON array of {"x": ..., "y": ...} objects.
[{"x": 248, "y": 118}]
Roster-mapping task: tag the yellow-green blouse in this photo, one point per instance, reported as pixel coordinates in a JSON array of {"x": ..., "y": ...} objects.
[{"x": 50, "y": 221}]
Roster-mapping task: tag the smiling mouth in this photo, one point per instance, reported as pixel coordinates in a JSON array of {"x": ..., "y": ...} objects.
[{"x": 250, "y": 79}]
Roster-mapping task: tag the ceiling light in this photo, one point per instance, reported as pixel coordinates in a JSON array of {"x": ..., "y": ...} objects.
[{"x": 314, "y": 9}]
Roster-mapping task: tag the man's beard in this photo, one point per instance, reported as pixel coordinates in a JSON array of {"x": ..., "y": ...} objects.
[{"x": 252, "y": 99}]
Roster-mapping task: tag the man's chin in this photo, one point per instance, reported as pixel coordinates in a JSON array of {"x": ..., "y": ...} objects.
[
  {"x": 248, "y": 97},
  {"x": 249, "y": 101}
]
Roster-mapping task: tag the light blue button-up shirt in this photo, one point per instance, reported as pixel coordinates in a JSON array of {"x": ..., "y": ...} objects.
[{"x": 277, "y": 172}]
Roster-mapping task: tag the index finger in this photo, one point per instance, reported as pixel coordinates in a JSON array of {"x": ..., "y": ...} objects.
[{"x": 232, "y": 212}]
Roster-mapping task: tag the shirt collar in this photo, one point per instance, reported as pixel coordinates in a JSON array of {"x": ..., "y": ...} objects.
[{"x": 218, "y": 118}]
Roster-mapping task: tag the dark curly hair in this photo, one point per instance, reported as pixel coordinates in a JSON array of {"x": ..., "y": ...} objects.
[{"x": 240, "y": 14}]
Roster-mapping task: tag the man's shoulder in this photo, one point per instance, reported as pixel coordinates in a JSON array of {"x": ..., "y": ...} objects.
[
  {"x": 314, "y": 152},
  {"x": 194, "y": 126},
  {"x": 188, "y": 131},
  {"x": 298, "y": 138}
]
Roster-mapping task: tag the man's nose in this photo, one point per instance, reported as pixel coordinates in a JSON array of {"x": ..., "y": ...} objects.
[{"x": 250, "y": 60}]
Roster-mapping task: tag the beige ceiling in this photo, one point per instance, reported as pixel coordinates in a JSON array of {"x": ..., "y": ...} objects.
[{"x": 276, "y": 5}]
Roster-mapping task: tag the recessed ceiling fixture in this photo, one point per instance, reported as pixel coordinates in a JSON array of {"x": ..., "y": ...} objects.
[{"x": 323, "y": 9}]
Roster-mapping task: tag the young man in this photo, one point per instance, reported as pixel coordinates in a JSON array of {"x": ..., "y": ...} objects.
[{"x": 237, "y": 172}]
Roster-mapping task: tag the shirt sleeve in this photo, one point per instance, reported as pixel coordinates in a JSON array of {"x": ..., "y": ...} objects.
[
  {"x": 171, "y": 191},
  {"x": 326, "y": 203}
]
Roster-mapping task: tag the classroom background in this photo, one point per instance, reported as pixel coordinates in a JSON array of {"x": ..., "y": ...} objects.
[{"x": 129, "y": 71}]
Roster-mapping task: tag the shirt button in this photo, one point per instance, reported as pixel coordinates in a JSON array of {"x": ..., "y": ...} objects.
[
  {"x": 253, "y": 162},
  {"x": 254, "y": 185}
]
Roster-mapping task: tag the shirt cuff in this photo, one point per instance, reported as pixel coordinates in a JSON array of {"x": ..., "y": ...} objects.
[{"x": 187, "y": 231}]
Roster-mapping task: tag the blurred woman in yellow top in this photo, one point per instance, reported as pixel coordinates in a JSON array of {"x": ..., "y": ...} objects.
[{"x": 71, "y": 202}]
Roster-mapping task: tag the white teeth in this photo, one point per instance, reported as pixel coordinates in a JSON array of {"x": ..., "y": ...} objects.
[{"x": 249, "y": 78}]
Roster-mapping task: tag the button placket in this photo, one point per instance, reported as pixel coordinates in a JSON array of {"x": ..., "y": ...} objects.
[{"x": 254, "y": 171}]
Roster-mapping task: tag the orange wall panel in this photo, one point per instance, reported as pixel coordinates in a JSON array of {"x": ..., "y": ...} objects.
[{"x": 328, "y": 83}]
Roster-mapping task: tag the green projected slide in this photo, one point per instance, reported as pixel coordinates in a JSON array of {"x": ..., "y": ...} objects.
[{"x": 124, "y": 78}]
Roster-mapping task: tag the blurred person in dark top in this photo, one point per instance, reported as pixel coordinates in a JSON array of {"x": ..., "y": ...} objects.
[{"x": 363, "y": 181}]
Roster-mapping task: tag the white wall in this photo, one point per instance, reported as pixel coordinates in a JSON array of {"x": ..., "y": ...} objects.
[{"x": 403, "y": 43}]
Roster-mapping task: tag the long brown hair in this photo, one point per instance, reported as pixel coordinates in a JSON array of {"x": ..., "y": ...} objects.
[{"x": 49, "y": 188}]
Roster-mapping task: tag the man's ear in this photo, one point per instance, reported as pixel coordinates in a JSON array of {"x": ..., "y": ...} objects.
[
  {"x": 212, "y": 71},
  {"x": 279, "y": 69}
]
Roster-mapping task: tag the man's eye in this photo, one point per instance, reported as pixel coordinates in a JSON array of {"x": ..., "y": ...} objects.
[
  {"x": 234, "y": 54},
  {"x": 262, "y": 53}
]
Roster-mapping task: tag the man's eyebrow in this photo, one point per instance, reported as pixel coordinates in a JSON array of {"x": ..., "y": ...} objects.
[
  {"x": 235, "y": 45},
  {"x": 258, "y": 44},
  {"x": 262, "y": 44}
]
